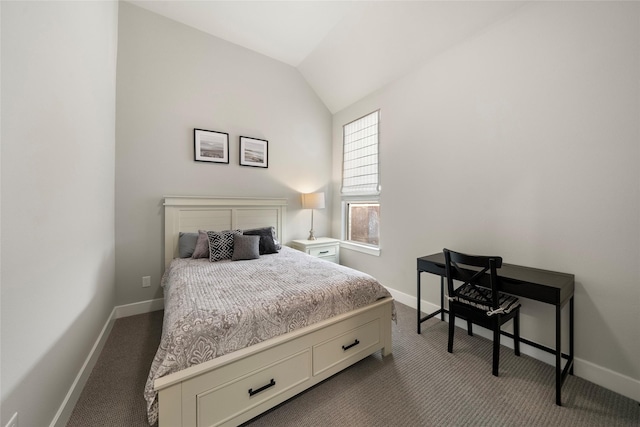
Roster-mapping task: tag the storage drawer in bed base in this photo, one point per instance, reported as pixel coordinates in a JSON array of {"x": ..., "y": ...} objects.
[
  {"x": 234, "y": 388},
  {"x": 228, "y": 401}
]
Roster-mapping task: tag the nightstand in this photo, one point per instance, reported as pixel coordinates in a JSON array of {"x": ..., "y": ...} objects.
[{"x": 323, "y": 247}]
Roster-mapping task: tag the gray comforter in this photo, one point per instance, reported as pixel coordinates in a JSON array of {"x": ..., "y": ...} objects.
[{"x": 212, "y": 309}]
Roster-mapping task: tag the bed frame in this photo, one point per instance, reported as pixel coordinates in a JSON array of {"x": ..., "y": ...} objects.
[{"x": 236, "y": 387}]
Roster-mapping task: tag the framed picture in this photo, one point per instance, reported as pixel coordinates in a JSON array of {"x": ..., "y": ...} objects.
[
  {"x": 254, "y": 152},
  {"x": 211, "y": 146}
]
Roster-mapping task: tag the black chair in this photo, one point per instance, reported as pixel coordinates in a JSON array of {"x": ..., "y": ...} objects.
[{"x": 478, "y": 300}]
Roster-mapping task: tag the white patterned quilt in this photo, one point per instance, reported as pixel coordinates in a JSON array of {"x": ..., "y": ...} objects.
[{"x": 212, "y": 309}]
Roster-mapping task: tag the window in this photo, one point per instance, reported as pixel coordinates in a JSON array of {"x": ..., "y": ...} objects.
[
  {"x": 363, "y": 222},
  {"x": 360, "y": 183},
  {"x": 360, "y": 157}
]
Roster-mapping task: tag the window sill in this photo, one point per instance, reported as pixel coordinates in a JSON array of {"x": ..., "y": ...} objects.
[{"x": 369, "y": 250}]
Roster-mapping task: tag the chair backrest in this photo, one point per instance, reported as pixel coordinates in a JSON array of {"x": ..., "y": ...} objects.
[{"x": 472, "y": 269}]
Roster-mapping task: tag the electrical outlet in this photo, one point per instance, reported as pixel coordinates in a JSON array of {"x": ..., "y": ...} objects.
[
  {"x": 146, "y": 281},
  {"x": 13, "y": 422}
]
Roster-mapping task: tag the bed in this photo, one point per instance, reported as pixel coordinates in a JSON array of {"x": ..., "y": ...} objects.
[{"x": 232, "y": 346}]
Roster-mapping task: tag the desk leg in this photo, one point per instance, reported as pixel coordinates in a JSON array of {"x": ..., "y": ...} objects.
[
  {"x": 571, "y": 334},
  {"x": 441, "y": 311},
  {"x": 418, "y": 281},
  {"x": 558, "y": 356}
]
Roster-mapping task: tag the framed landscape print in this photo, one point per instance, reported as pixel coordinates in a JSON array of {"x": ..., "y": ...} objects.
[
  {"x": 254, "y": 152},
  {"x": 211, "y": 146}
]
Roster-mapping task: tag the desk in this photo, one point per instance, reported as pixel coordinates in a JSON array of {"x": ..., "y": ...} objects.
[{"x": 540, "y": 285}]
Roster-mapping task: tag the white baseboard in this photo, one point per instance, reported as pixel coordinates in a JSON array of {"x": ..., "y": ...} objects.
[
  {"x": 608, "y": 379},
  {"x": 139, "y": 308},
  {"x": 599, "y": 375},
  {"x": 64, "y": 412}
]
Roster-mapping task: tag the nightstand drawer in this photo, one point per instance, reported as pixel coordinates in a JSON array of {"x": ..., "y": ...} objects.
[
  {"x": 323, "y": 251},
  {"x": 324, "y": 248}
]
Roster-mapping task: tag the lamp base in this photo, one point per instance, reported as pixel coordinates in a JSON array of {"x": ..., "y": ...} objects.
[{"x": 311, "y": 236}]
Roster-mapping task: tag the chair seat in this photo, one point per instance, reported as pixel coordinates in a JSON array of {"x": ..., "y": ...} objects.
[{"x": 467, "y": 294}]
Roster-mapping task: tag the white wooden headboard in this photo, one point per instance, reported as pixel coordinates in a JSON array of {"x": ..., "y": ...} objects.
[{"x": 193, "y": 213}]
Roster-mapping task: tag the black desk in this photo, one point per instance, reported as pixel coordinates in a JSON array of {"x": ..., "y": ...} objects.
[{"x": 540, "y": 285}]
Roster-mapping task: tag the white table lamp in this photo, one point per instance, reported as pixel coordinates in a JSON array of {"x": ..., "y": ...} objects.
[{"x": 312, "y": 201}]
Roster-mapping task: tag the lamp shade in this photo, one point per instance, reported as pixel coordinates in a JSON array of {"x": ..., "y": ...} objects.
[{"x": 313, "y": 201}]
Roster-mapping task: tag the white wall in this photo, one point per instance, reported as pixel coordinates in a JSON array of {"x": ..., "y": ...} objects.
[
  {"x": 523, "y": 141},
  {"x": 172, "y": 79},
  {"x": 58, "y": 155}
]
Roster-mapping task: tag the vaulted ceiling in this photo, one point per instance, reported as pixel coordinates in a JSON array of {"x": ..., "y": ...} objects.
[{"x": 344, "y": 49}]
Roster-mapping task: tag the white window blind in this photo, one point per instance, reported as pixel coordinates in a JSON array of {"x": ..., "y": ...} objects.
[{"x": 360, "y": 157}]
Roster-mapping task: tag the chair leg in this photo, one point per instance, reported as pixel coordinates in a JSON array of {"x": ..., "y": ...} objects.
[
  {"x": 469, "y": 328},
  {"x": 496, "y": 348},
  {"x": 516, "y": 333},
  {"x": 452, "y": 321}
]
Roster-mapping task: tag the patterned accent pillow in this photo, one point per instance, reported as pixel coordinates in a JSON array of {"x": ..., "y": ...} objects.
[{"x": 221, "y": 244}]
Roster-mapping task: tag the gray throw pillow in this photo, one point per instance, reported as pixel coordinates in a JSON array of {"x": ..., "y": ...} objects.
[
  {"x": 202, "y": 246},
  {"x": 245, "y": 247},
  {"x": 187, "y": 244},
  {"x": 221, "y": 244}
]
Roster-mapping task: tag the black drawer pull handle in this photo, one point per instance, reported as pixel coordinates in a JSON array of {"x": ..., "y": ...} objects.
[
  {"x": 263, "y": 388},
  {"x": 347, "y": 347},
  {"x": 323, "y": 252}
]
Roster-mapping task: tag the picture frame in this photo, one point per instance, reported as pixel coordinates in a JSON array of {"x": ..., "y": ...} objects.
[
  {"x": 211, "y": 146},
  {"x": 254, "y": 152}
]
